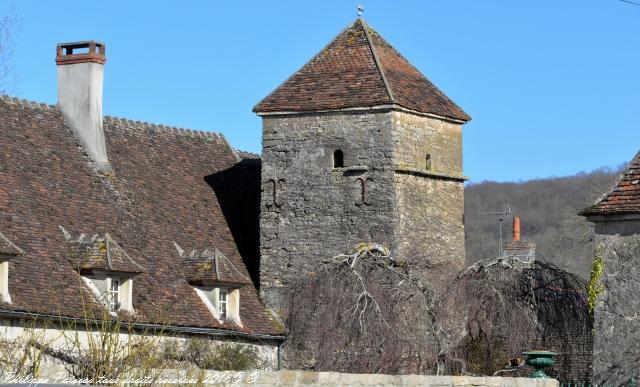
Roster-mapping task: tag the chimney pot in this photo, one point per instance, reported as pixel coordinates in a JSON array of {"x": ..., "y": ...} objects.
[{"x": 92, "y": 52}]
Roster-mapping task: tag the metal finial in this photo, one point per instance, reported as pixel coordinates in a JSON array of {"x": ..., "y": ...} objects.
[{"x": 360, "y": 10}]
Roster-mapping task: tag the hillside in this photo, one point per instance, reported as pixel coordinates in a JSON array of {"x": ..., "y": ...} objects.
[{"x": 548, "y": 209}]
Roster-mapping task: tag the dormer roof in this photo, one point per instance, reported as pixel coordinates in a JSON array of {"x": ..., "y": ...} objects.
[
  {"x": 9, "y": 248},
  {"x": 100, "y": 253},
  {"x": 359, "y": 69},
  {"x": 624, "y": 199},
  {"x": 211, "y": 267}
]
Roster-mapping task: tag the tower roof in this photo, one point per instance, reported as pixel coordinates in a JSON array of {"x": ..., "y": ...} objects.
[
  {"x": 359, "y": 69},
  {"x": 624, "y": 198}
]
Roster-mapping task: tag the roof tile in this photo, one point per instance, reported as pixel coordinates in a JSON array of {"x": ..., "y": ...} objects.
[
  {"x": 359, "y": 69},
  {"x": 163, "y": 188},
  {"x": 624, "y": 198}
]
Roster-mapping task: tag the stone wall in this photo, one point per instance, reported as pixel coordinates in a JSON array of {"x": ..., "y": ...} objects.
[
  {"x": 318, "y": 211},
  {"x": 430, "y": 230},
  {"x": 299, "y": 378},
  {"x": 387, "y": 192},
  {"x": 416, "y": 136},
  {"x": 617, "y": 313},
  {"x": 429, "y": 195}
]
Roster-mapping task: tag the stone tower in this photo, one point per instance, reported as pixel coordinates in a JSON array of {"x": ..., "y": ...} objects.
[{"x": 359, "y": 146}]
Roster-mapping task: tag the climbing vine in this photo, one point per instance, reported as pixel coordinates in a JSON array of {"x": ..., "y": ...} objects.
[{"x": 594, "y": 287}]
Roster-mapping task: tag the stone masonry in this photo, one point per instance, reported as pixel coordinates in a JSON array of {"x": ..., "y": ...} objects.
[
  {"x": 384, "y": 193},
  {"x": 429, "y": 198},
  {"x": 317, "y": 211},
  {"x": 616, "y": 354}
]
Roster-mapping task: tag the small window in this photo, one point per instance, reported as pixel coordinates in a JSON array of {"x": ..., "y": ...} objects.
[
  {"x": 428, "y": 162},
  {"x": 222, "y": 302},
  {"x": 114, "y": 295},
  {"x": 338, "y": 159}
]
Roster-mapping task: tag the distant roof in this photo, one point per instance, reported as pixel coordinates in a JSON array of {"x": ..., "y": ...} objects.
[
  {"x": 624, "y": 198},
  {"x": 164, "y": 187},
  {"x": 359, "y": 69}
]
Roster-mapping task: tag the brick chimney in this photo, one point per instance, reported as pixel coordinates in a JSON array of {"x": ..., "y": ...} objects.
[
  {"x": 80, "y": 77},
  {"x": 517, "y": 247},
  {"x": 516, "y": 228}
]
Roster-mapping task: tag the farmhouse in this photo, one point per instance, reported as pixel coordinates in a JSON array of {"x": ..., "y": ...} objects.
[{"x": 106, "y": 214}]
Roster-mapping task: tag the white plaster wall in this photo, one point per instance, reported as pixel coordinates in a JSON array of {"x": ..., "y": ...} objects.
[
  {"x": 80, "y": 100},
  {"x": 14, "y": 329}
]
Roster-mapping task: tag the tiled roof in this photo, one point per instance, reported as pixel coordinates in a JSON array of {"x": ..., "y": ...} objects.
[
  {"x": 100, "y": 253},
  {"x": 359, "y": 69},
  {"x": 211, "y": 267},
  {"x": 9, "y": 248},
  {"x": 166, "y": 185},
  {"x": 624, "y": 198}
]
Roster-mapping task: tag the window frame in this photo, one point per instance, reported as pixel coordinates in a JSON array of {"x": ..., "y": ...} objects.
[
  {"x": 223, "y": 303},
  {"x": 104, "y": 294},
  {"x": 114, "y": 302},
  {"x": 210, "y": 296}
]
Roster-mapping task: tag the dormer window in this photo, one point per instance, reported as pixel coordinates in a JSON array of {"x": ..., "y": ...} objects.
[
  {"x": 106, "y": 269},
  {"x": 222, "y": 302},
  {"x": 338, "y": 159},
  {"x": 114, "y": 292},
  {"x": 114, "y": 295},
  {"x": 216, "y": 280},
  {"x": 8, "y": 251}
]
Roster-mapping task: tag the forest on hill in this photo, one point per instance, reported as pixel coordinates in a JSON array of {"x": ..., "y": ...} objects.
[{"x": 548, "y": 209}]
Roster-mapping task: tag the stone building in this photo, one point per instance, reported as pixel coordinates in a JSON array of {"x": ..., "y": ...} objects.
[
  {"x": 616, "y": 219},
  {"x": 103, "y": 216},
  {"x": 359, "y": 146}
]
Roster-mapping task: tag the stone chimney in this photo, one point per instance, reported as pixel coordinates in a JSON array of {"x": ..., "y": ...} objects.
[{"x": 80, "y": 77}]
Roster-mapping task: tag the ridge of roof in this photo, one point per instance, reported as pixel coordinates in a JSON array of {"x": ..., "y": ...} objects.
[
  {"x": 27, "y": 103},
  {"x": 256, "y": 106},
  {"x": 177, "y": 130},
  {"x": 133, "y": 124},
  {"x": 624, "y": 198},
  {"x": 376, "y": 59}
]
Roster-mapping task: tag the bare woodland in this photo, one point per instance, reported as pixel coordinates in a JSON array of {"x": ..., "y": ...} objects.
[{"x": 549, "y": 211}]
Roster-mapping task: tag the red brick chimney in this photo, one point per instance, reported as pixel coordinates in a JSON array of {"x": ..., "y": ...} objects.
[{"x": 516, "y": 228}]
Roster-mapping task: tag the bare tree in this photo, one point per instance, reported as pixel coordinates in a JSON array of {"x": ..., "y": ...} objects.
[{"x": 369, "y": 312}]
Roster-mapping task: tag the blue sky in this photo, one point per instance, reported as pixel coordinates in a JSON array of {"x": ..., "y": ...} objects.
[{"x": 553, "y": 86}]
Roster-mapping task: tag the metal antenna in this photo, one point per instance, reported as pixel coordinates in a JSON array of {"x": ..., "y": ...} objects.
[
  {"x": 501, "y": 215},
  {"x": 360, "y": 10}
]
